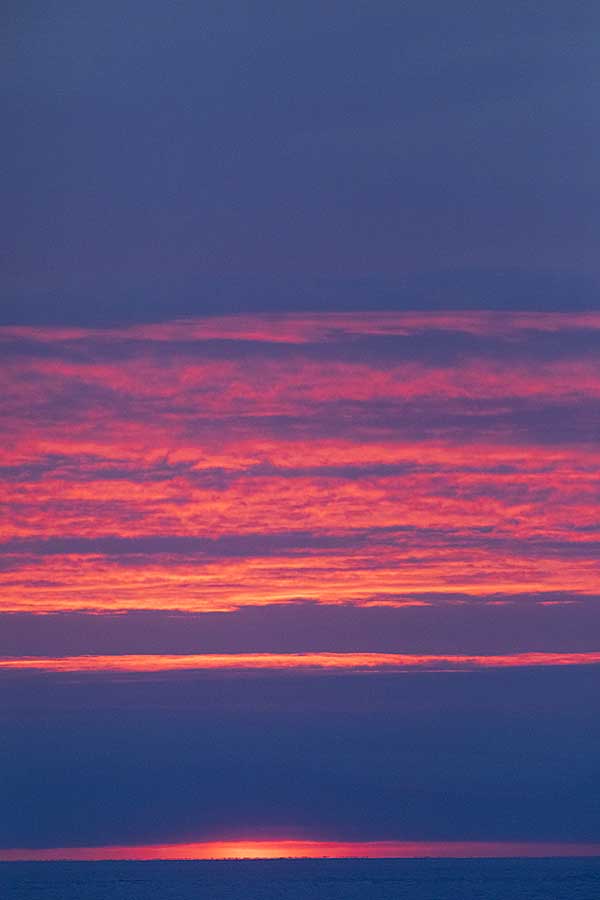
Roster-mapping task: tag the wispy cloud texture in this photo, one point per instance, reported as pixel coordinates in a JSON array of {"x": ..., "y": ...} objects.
[{"x": 216, "y": 464}]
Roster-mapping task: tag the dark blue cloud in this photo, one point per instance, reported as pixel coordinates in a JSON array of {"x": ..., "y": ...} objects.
[
  {"x": 541, "y": 621},
  {"x": 162, "y": 162},
  {"x": 510, "y": 755},
  {"x": 136, "y": 550}
]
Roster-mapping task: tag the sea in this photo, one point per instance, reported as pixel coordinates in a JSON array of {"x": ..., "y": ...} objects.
[{"x": 316, "y": 879}]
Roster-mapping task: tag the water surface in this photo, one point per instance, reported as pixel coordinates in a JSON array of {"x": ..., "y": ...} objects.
[{"x": 332, "y": 879}]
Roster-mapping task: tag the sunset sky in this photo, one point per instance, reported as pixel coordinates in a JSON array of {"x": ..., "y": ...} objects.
[{"x": 300, "y": 380}]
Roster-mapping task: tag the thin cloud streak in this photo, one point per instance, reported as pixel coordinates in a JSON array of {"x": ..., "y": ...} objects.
[{"x": 343, "y": 662}]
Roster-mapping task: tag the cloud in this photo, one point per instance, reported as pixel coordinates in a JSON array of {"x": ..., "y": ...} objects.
[
  {"x": 497, "y": 754},
  {"x": 418, "y": 623},
  {"x": 220, "y": 463},
  {"x": 293, "y": 662}
]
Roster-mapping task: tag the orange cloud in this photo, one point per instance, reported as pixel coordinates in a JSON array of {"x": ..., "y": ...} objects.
[
  {"x": 345, "y": 662},
  {"x": 173, "y": 431}
]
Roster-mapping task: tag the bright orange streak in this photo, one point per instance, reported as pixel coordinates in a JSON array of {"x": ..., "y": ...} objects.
[
  {"x": 95, "y": 583},
  {"x": 348, "y": 662},
  {"x": 310, "y": 849}
]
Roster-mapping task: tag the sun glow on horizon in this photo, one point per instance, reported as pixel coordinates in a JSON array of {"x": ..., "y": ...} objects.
[{"x": 305, "y": 849}]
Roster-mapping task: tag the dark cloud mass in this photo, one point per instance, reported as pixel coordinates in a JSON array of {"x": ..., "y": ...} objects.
[
  {"x": 178, "y": 161},
  {"x": 488, "y": 755},
  {"x": 436, "y": 623}
]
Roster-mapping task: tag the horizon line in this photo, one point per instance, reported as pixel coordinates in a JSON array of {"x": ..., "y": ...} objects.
[{"x": 305, "y": 849}]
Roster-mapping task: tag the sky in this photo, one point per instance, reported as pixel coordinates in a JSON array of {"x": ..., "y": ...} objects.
[{"x": 300, "y": 339}]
